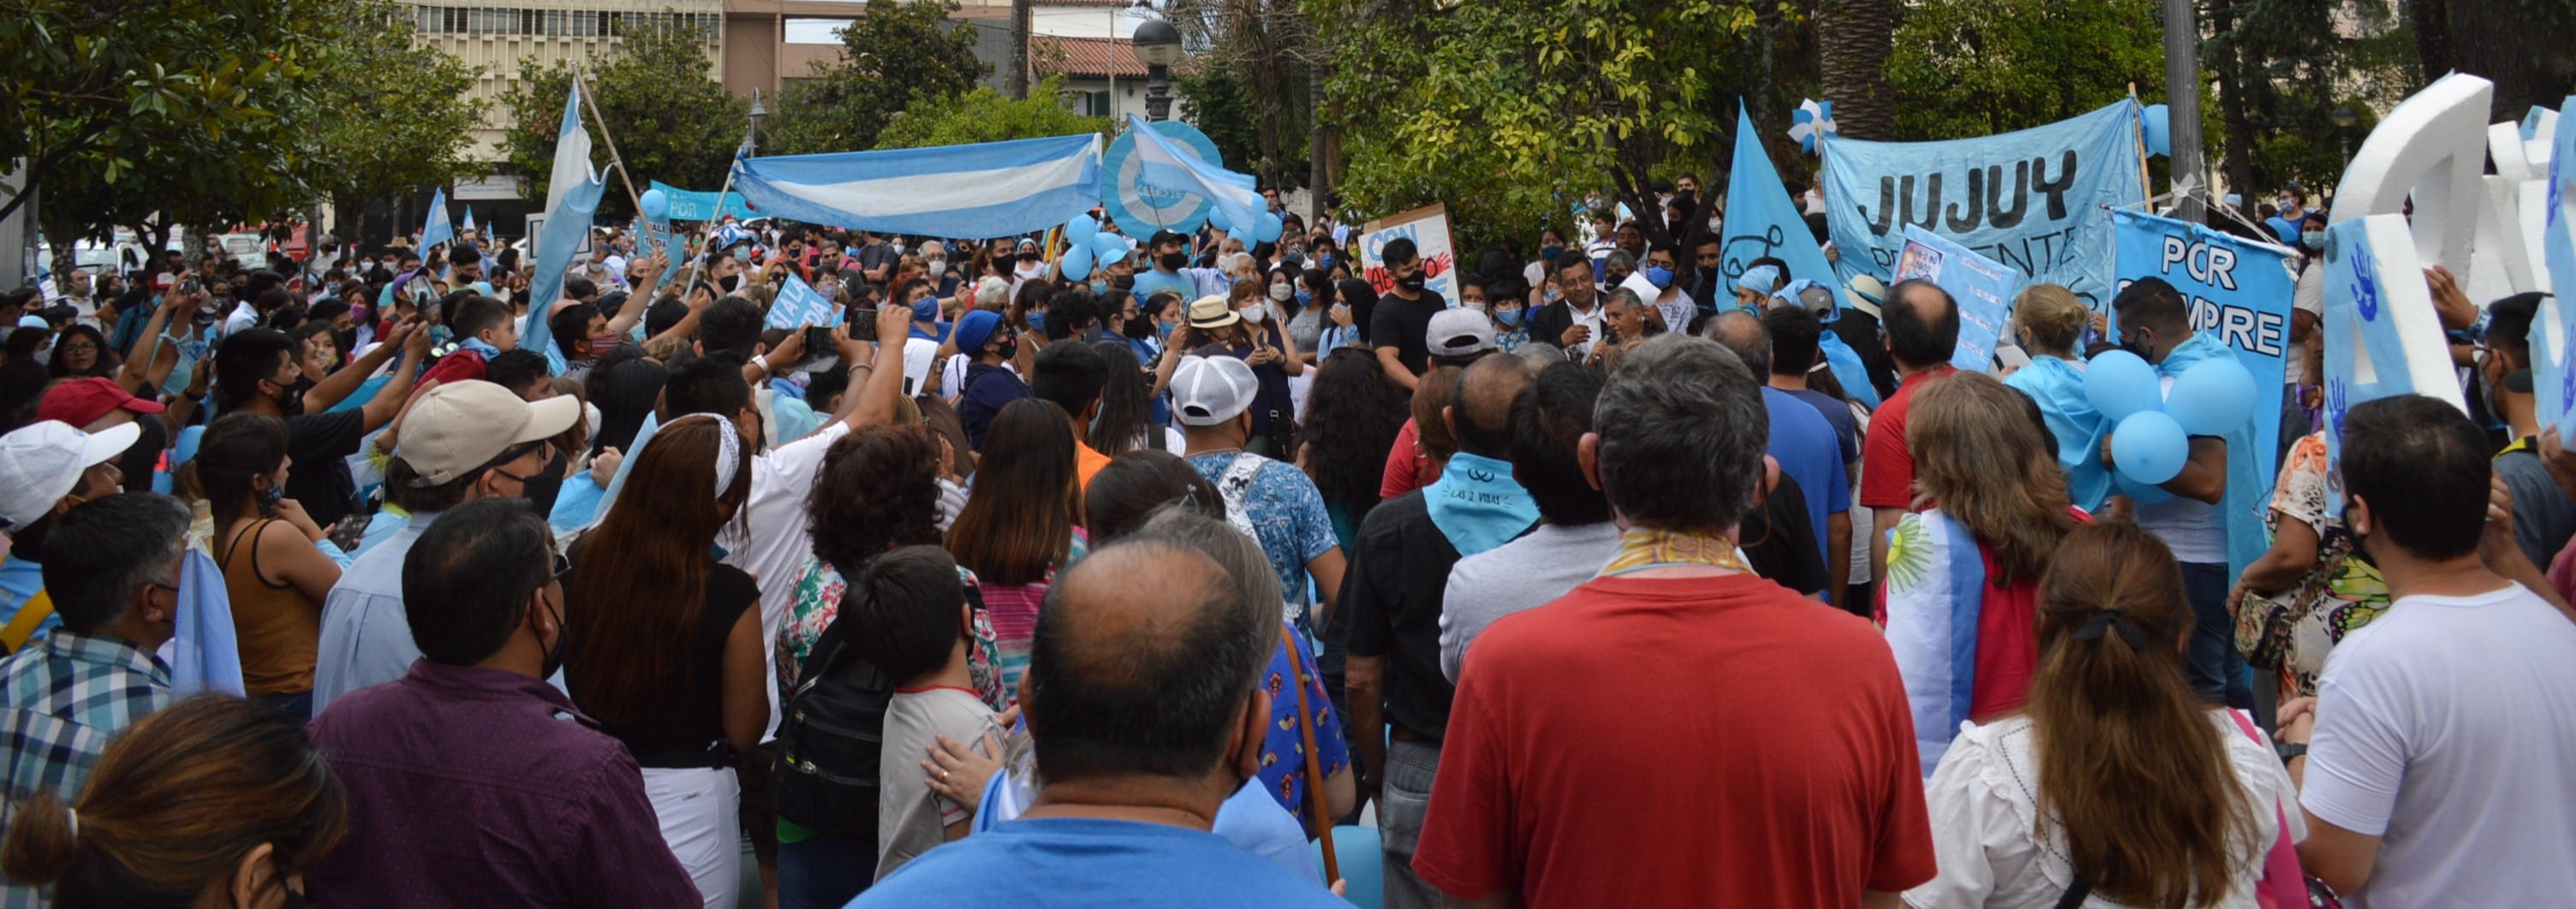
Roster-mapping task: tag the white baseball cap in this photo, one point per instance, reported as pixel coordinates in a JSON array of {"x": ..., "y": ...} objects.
[
  {"x": 460, "y": 426},
  {"x": 1459, "y": 332},
  {"x": 1208, "y": 391},
  {"x": 42, "y": 462}
]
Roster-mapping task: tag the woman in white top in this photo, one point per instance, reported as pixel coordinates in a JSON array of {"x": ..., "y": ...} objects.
[{"x": 2154, "y": 798}]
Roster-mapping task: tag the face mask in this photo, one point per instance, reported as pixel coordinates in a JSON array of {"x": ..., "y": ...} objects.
[
  {"x": 1282, "y": 292},
  {"x": 1037, "y": 321},
  {"x": 1010, "y": 348},
  {"x": 1511, "y": 318},
  {"x": 1171, "y": 261},
  {"x": 554, "y": 658},
  {"x": 2313, "y": 239},
  {"x": 1163, "y": 331},
  {"x": 1304, "y": 298},
  {"x": 1412, "y": 284},
  {"x": 1549, "y": 253},
  {"x": 1138, "y": 328},
  {"x": 926, "y": 311},
  {"x": 440, "y": 334},
  {"x": 268, "y": 498},
  {"x": 1328, "y": 260},
  {"x": 729, "y": 282},
  {"x": 898, "y": 249},
  {"x": 1659, "y": 276},
  {"x": 1712, "y": 225},
  {"x": 1255, "y": 315},
  {"x": 1123, "y": 282},
  {"x": 1099, "y": 287}
]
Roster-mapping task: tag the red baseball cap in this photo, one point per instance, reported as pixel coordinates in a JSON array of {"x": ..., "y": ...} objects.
[{"x": 81, "y": 402}]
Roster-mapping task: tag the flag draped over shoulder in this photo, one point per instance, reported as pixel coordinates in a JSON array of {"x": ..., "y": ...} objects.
[{"x": 1936, "y": 583}]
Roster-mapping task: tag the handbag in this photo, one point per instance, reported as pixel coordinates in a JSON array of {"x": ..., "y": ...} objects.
[{"x": 1317, "y": 816}]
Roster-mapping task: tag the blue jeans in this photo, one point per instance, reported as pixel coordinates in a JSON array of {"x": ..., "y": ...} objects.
[
  {"x": 2216, "y": 670},
  {"x": 824, "y": 871}
]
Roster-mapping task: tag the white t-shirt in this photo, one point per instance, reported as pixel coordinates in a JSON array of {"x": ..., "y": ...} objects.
[
  {"x": 774, "y": 548},
  {"x": 2448, "y": 727},
  {"x": 2193, "y": 529},
  {"x": 1985, "y": 821}
]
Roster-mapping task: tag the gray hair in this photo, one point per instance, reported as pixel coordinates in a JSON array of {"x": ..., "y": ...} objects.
[
  {"x": 100, "y": 553},
  {"x": 1682, "y": 431},
  {"x": 1539, "y": 356},
  {"x": 1619, "y": 257},
  {"x": 1239, "y": 554},
  {"x": 1627, "y": 295},
  {"x": 1742, "y": 334}
]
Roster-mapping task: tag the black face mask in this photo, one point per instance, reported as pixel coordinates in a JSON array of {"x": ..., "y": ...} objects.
[
  {"x": 291, "y": 403},
  {"x": 1139, "y": 328},
  {"x": 1411, "y": 285},
  {"x": 1123, "y": 282},
  {"x": 1172, "y": 261},
  {"x": 1010, "y": 348},
  {"x": 2131, "y": 345},
  {"x": 541, "y": 490},
  {"x": 554, "y": 658}
]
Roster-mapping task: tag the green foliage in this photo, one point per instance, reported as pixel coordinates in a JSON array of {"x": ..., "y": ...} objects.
[
  {"x": 2289, "y": 65},
  {"x": 1980, "y": 67},
  {"x": 985, "y": 115},
  {"x": 1221, "y": 104},
  {"x": 120, "y": 109},
  {"x": 893, "y": 53},
  {"x": 1510, "y": 110},
  {"x": 394, "y": 113},
  {"x": 670, "y": 120}
]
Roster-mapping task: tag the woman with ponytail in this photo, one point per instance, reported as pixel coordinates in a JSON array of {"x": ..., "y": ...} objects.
[
  {"x": 213, "y": 801},
  {"x": 2116, "y": 786}
]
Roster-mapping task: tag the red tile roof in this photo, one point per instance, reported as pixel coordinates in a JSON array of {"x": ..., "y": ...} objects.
[{"x": 1050, "y": 55}]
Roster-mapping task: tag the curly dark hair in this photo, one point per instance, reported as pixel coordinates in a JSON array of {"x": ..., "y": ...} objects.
[
  {"x": 878, "y": 490},
  {"x": 1352, "y": 417}
]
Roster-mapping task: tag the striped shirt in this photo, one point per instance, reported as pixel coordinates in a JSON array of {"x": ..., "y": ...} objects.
[{"x": 65, "y": 697}]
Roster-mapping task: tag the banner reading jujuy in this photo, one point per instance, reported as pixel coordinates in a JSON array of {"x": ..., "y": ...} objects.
[
  {"x": 2239, "y": 292},
  {"x": 1428, "y": 227},
  {"x": 2032, "y": 199}
]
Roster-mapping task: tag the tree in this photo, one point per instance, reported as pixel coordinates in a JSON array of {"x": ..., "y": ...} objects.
[
  {"x": 2282, "y": 68},
  {"x": 985, "y": 115},
  {"x": 1511, "y": 111},
  {"x": 1980, "y": 67},
  {"x": 670, "y": 120},
  {"x": 892, "y": 53},
  {"x": 1225, "y": 107},
  {"x": 1252, "y": 83},
  {"x": 104, "y": 95},
  {"x": 1855, "y": 38},
  {"x": 2527, "y": 47},
  {"x": 394, "y": 115}
]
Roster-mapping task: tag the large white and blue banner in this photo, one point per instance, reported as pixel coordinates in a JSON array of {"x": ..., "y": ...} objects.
[
  {"x": 2239, "y": 293},
  {"x": 1761, "y": 220},
  {"x": 2553, "y": 340},
  {"x": 1165, "y": 165},
  {"x": 990, "y": 189},
  {"x": 2034, "y": 199},
  {"x": 2382, "y": 335},
  {"x": 566, "y": 232}
]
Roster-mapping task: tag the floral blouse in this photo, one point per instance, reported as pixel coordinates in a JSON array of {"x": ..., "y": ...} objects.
[
  {"x": 816, "y": 601},
  {"x": 2295, "y": 628}
]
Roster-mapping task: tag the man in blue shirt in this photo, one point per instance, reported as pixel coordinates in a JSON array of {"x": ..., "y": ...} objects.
[
  {"x": 1141, "y": 702},
  {"x": 1170, "y": 253}
]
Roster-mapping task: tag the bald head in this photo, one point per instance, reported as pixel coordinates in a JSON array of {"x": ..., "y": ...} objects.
[
  {"x": 1143, "y": 657},
  {"x": 1922, "y": 323},
  {"x": 1480, "y": 409},
  {"x": 1738, "y": 331}
]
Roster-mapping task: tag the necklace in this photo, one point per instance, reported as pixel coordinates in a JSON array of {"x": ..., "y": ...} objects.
[{"x": 1646, "y": 548}]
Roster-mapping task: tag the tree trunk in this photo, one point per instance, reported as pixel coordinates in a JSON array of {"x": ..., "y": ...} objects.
[
  {"x": 1853, "y": 41},
  {"x": 2529, "y": 52},
  {"x": 2433, "y": 38},
  {"x": 1318, "y": 182},
  {"x": 2229, "y": 69},
  {"x": 1015, "y": 80}
]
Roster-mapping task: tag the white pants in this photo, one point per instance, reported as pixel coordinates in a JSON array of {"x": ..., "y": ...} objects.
[{"x": 699, "y": 809}]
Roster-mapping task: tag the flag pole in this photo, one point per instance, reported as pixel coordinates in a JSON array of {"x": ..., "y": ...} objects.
[{"x": 605, "y": 139}]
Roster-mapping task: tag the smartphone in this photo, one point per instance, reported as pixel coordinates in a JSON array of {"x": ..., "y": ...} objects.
[{"x": 862, "y": 324}]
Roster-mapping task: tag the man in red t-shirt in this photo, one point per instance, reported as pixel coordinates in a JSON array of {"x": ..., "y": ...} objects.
[
  {"x": 1922, "y": 327},
  {"x": 1728, "y": 742}
]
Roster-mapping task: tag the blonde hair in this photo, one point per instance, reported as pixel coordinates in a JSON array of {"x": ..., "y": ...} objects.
[
  {"x": 1979, "y": 455},
  {"x": 2055, "y": 318}
]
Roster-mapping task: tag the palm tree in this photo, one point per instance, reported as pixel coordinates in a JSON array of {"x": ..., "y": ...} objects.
[{"x": 1853, "y": 37}]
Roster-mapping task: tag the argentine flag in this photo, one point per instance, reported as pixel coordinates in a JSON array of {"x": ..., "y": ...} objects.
[
  {"x": 438, "y": 230},
  {"x": 1936, "y": 583},
  {"x": 1167, "y": 167},
  {"x": 986, "y": 189},
  {"x": 571, "y": 200}
]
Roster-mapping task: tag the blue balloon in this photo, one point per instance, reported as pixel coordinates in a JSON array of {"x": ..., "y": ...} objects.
[
  {"x": 1080, "y": 230},
  {"x": 1108, "y": 247},
  {"x": 1076, "y": 263},
  {"x": 2141, "y": 493},
  {"x": 1269, "y": 229},
  {"x": 2158, "y": 123},
  {"x": 655, "y": 204},
  {"x": 2212, "y": 398},
  {"x": 2150, "y": 447},
  {"x": 1216, "y": 219},
  {"x": 2119, "y": 383}
]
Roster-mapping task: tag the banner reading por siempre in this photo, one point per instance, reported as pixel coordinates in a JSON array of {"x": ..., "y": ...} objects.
[
  {"x": 2033, "y": 199},
  {"x": 2239, "y": 293}
]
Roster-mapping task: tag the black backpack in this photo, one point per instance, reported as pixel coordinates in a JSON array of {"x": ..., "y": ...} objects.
[{"x": 830, "y": 739}]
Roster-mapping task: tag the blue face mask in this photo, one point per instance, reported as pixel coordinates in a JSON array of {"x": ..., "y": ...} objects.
[
  {"x": 927, "y": 310},
  {"x": 1304, "y": 298},
  {"x": 1511, "y": 318},
  {"x": 1163, "y": 331},
  {"x": 1099, "y": 287},
  {"x": 1037, "y": 321},
  {"x": 1659, "y": 276},
  {"x": 1327, "y": 260}
]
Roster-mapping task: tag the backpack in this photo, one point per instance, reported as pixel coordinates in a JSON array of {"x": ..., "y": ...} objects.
[{"x": 830, "y": 738}]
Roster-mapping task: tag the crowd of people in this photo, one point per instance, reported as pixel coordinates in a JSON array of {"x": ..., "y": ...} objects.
[{"x": 1631, "y": 579}]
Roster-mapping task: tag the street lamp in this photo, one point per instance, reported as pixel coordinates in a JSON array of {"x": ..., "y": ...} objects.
[
  {"x": 1157, "y": 45},
  {"x": 751, "y": 140},
  {"x": 2344, "y": 117}
]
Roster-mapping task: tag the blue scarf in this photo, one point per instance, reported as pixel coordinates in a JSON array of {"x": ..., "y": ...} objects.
[
  {"x": 2248, "y": 492},
  {"x": 2058, "y": 386},
  {"x": 1477, "y": 505},
  {"x": 477, "y": 345},
  {"x": 1847, "y": 368}
]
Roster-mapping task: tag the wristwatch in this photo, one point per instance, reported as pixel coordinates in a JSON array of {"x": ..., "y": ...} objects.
[{"x": 2290, "y": 751}]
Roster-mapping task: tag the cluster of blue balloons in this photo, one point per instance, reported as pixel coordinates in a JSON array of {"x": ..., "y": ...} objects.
[
  {"x": 1266, "y": 227},
  {"x": 1086, "y": 244},
  {"x": 2151, "y": 440}
]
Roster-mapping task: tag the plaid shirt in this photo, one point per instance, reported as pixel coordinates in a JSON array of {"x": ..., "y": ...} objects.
[{"x": 64, "y": 697}]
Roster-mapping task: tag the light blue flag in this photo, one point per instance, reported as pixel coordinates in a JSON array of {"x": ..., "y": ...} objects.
[
  {"x": 438, "y": 230},
  {"x": 1761, "y": 220},
  {"x": 799, "y": 305},
  {"x": 205, "y": 653},
  {"x": 1936, "y": 585},
  {"x": 469, "y": 217},
  {"x": 988, "y": 189},
  {"x": 2551, "y": 377},
  {"x": 1163, "y": 165},
  {"x": 567, "y": 228},
  {"x": 2032, "y": 199},
  {"x": 2240, "y": 294}
]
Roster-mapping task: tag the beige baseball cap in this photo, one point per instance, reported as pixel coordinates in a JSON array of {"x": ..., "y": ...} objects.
[{"x": 460, "y": 426}]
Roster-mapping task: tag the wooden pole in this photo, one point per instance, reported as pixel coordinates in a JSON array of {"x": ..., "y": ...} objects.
[{"x": 623, "y": 176}]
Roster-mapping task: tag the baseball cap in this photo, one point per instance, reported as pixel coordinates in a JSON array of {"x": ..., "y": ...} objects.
[
  {"x": 35, "y": 322},
  {"x": 974, "y": 329},
  {"x": 460, "y": 426},
  {"x": 1208, "y": 391},
  {"x": 81, "y": 402},
  {"x": 1866, "y": 294},
  {"x": 1163, "y": 236},
  {"x": 42, "y": 462},
  {"x": 1459, "y": 332},
  {"x": 1211, "y": 312}
]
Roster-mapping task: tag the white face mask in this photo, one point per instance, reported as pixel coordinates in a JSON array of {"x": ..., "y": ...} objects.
[
  {"x": 1282, "y": 292},
  {"x": 1255, "y": 315},
  {"x": 937, "y": 267}
]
